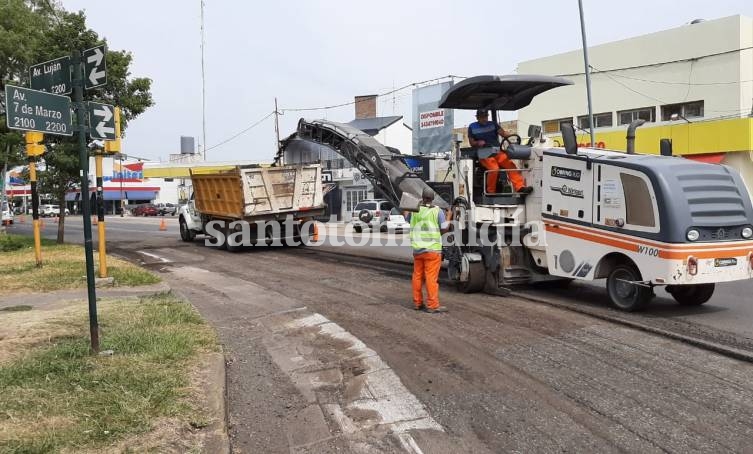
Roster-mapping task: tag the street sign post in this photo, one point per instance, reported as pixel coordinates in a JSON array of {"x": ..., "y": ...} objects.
[
  {"x": 101, "y": 121},
  {"x": 52, "y": 76},
  {"x": 95, "y": 66},
  {"x": 32, "y": 110}
]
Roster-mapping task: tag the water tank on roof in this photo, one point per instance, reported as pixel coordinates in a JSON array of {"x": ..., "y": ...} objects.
[{"x": 187, "y": 145}]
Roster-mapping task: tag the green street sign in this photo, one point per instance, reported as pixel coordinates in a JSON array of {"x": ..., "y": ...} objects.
[
  {"x": 32, "y": 110},
  {"x": 52, "y": 76},
  {"x": 101, "y": 121},
  {"x": 95, "y": 66}
]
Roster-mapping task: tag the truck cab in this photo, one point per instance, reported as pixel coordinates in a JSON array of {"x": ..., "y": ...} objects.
[{"x": 639, "y": 221}]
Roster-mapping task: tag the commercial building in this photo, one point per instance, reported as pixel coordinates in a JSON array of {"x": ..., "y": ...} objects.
[{"x": 692, "y": 84}]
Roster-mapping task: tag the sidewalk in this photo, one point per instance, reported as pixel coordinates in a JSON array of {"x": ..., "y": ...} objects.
[{"x": 43, "y": 300}]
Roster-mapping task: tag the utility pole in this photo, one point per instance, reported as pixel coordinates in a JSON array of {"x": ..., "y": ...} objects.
[
  {"x": 588, "y": 72},
  {"x": 80, "y": 106},
  {"x": 277, "y": 125},
  {"x": 203, "y": 88}
]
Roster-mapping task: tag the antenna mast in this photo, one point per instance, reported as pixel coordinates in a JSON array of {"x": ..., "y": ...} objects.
[{"x": 203, "y": 88}]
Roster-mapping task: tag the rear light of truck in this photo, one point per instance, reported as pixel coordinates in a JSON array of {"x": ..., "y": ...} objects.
[
  {"x": 692, "y": 266},
  {"x": 377, "y": 213}
]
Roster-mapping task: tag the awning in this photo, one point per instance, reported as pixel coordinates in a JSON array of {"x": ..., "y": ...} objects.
[
  {"x": 512, "y": 92},
  {"x": 710, "y": 158},
  {"x": 128, "y": 194},
  {"x": 131, "y": 195}
]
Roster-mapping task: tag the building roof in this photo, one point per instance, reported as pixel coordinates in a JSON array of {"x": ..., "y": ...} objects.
[{"x": 372, "y": 126}]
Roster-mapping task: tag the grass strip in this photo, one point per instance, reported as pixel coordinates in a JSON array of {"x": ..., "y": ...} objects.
[
  {"x": 63, "y": 267},
  {"x": 59, "y": 397}
]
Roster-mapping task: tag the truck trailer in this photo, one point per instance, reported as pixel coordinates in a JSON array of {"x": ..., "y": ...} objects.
[{"x": 271, "y": 203}]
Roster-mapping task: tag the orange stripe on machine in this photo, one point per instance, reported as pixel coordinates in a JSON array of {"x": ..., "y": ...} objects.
[{"x": 665, "y": 250}]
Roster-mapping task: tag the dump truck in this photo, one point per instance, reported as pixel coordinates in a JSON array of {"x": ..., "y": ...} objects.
[{"x": 272, "y": 203}]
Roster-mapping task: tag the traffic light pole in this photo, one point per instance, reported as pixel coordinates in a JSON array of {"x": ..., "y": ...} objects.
[
  {"x": 101, "y": 248},
  {"x": 35, "y": 210},
  {"x": 78, "y": 102}
]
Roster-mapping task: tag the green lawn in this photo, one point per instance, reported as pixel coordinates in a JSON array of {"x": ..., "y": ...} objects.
[
  {"x": 56, "y": 396},
  {"x": 63, "y": 267}
]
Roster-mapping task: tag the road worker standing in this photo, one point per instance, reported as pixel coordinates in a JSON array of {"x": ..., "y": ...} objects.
[{"x": 427, "y": 226}]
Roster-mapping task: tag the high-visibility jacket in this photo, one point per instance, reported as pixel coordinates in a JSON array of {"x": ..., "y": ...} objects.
[{"x": 425, "y": 233}]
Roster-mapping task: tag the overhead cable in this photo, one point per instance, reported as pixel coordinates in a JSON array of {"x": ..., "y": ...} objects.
[{"x": 238, "y": 134}]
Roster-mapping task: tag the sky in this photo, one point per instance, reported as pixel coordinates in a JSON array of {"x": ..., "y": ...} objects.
[{"x": 323, "y": 53}]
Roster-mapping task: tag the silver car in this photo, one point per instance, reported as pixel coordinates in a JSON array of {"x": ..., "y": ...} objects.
[{"x": 372, "y": 214}]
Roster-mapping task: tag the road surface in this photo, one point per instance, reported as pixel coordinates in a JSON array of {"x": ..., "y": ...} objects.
[{"x": 325, "y": 354}]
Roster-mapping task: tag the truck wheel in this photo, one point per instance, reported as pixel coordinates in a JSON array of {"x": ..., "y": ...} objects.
[
  {"x": 622, "y": 293},
  {"x": 476, "y": 278},
  {"x": 186, "y": 234},
  {"x": 691, "y": 295}
]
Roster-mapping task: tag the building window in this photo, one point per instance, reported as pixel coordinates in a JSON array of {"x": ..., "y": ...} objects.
[
  {"x": 626, "y": 117},
  {"x": 554, "y": 126},
  {"x": 602, "y": 120},
  {"x": 685, "y": 109}
]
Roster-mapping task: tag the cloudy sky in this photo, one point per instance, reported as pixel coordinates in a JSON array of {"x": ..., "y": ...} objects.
[{"x": 322, "y": 53}]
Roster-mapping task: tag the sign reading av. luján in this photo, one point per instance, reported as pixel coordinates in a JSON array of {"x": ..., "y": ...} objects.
[
  {"x": 32, "y": 110},
  {"x": 101, "y": 121},
  {"x": 52, "y": 76}
]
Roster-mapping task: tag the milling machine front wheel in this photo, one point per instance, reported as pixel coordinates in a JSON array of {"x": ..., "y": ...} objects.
[
  {"x": 476, "y": 278},
  {"x": 691, "y": 295}
]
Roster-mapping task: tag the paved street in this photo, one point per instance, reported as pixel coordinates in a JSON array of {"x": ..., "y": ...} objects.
[
  {"x": 730, "y": 310},
  {"x": 324, "y": 353}
]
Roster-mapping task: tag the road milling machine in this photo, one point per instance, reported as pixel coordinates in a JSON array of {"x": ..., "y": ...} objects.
[{"x": 638, "y": 220}]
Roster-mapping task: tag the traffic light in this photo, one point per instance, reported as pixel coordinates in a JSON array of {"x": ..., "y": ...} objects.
[
  {"x": 113, "y": 146},
  {"x": 33, "y": 145}
]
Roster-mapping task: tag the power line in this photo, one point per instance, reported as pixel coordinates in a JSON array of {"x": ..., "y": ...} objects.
[
  {"x": 657, "y": 99},
  {"x": 649, "y": 65},
  {"x": 350, "y": 103},
  {"x": 238, "y": 134},
  {"x": 667, "y": 82}
]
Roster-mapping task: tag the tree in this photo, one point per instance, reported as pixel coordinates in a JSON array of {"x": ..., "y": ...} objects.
[{"x": 55, "y": 33}]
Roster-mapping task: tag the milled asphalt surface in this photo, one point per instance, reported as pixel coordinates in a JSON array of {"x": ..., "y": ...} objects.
[
  {"x": 730, "y": 312},
  {"x": 496, "y": 374}
]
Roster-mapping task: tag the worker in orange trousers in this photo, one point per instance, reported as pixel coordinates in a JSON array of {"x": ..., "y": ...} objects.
[
  {"x": 426, "y": 241},
  {"x": 484, "y": 135}
]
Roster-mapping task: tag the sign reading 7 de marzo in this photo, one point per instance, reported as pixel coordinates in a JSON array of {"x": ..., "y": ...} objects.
[{"x": 32, "y": 110}]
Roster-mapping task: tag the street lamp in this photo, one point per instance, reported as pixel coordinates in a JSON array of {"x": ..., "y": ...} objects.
[{"x": 677, "y": 116}]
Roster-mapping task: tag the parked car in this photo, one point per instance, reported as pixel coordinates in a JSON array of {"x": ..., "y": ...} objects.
[
  {"x": 7, "y": 214},
  {"x": 51, "y": 210},
  {"x": 372, "y": 214},
  {"x": 396, "y": 222},
  {"x": 145, "y": 210},
  {"x": 166, "y": 208}
]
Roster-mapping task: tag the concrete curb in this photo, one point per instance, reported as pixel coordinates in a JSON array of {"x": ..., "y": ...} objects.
[
  {"x": 215, "y": 391},
  {"x": 38, "y": 300},
  {"x": 218, "y": 440}
]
